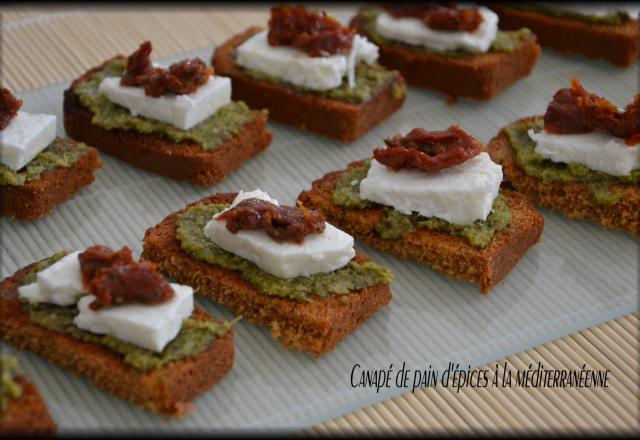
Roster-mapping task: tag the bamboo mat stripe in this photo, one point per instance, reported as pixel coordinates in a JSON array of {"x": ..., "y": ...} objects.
[{"x": 45, "y": 45}]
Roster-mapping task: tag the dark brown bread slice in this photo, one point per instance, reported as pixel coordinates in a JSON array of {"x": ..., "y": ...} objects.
[
  {"x": 184, "y": 160},
  {"x": 619, "y": 45},
  {"x": 315, "y": 327},
  {"x": 26, "y": 415},
  {"x": 333, "y": 118},
  {"x": 480, "y": 77},
  {"x": 167, "y": 390},
  {"x": 571, "y": 199},
  {"x": 440, "y": 250},
  {"x": 37, "y": 198}
]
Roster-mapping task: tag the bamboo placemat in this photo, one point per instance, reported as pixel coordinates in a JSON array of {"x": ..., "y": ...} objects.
[{"x": 45, "y": 45}]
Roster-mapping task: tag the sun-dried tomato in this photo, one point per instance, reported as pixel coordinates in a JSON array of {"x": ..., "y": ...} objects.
[
  {"x": 98, "y": 257},
  {"x": 439, "y": 16},
  {"x": 9, "y": 106},
  {"x": 313, "y": 32},
  {"x": 180, "y": 78},
  {"x": 428, "y": 150},
  {"x": 282, "y": 223}
]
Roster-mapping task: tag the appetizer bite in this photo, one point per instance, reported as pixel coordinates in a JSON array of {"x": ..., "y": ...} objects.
[
  {"x": 22, "y": 410},
  {"x": 178, "y": 121},
  {"x": 38, "y": 170},
  {"x": 433, "y": 197},
  {"x": 581, "y": 158},
  {"x": 311, "y": 72},
  {"x": 599, "y": 30},
  {"x": 279, "y": 266},
  {"x": 100, "y": 314},
  {"x": 454, "y": 50}
]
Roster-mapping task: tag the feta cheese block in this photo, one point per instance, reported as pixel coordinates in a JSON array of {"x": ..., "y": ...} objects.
[
  {"x": 459, "y": 194},
  {"x": 147, "y": 326},
  {"x": 597, "y": 150},
  {"x": 26, "y": 135},
  {"x": 323, "y": 252},
  {"x": 60, "y": 283},
  {"x": 296, "y": 67},
  {"x": 414, "y": 31},
  {"x": 181, "y": 111}
]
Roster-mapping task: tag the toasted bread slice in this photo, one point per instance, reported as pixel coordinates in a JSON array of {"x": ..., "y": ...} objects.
[
  {"x": 315, "y": 326},
  {"x": 444, "y": 252},
  {"x": 27, "y": 415},
  {"x": 571, "y": 199},
  {"x": 167, "y": 390},
  {"x": 185, "y": 160},
  {"x": 333, "y": 118}
]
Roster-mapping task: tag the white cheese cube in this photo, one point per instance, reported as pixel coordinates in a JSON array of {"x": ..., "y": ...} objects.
[
  {"x": 147, "y": 326},
  {"x": 26, "y": 136},
  {"x": 31, "y": 292},
  {"x": 324, "y": 252},
  {"x": 459, "y": 194},
  {"x": 60, "y": 283},
  {"x": 597, "y": 150},
  {"x": 181, "y": 111}
]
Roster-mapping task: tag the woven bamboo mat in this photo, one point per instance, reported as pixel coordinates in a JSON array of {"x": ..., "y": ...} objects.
[{"x": 45, "y": 45}]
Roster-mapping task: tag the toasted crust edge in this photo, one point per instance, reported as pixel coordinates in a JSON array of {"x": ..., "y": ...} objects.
[
  {"x": 315, "y": 327},
  {"x": 328, "y": 117},
  {"x": 27, "y": 415}
]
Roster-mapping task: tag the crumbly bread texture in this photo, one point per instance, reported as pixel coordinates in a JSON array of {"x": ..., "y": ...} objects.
[
  {"x": 480, "y": 77},
  {"x": 27, "y": 415},
  {"x": 571, "y": 199},
  {"x": 333, "y": 118},
  {"x": 440, "y": 250},
  {"x": 168, "y": 390},
  {"x": 618, "y": 45},
  {"x": 185, "y": 160},
  {"x": 315, "y": 326},
  {"x": 37, "y": 198}
]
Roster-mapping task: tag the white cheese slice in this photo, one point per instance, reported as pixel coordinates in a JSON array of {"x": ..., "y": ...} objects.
[
  {"x": 181, "y": 111},
  {"x": 296, "y": 67},
  {"x": 147, "y": 326},
  {"x": 323, "y": 252},
  {"x": 460, "y": 194},
  {"x": 414, "y": 31},
  {"x": 597, "y": 150},
  {"x": 26, "y": 135}
]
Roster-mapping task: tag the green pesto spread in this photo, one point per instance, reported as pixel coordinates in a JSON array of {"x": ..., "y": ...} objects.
[
  {"x": 395, "y": 225},
  {"x": 61, "y": 153},
  {"x": 534, "y": 165},
  {"x": 352, "y": 277},
  {"x": 213, "y": 131},
  {"x": 613, "y": 19},
  {"x": 505, "y": 41},
  {"x": 193, "y": 337},
  {"x": 10, "y": 388},
  {"x": 369, "y": 79}
]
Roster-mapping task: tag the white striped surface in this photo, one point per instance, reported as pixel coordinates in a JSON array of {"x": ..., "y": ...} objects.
[{"x": 577, "y": 276}]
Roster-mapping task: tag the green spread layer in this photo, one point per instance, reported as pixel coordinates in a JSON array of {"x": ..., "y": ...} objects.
[
  {"x": 352, "y": 277},
  {"x": 61, "y": 153},
  {"x": 395, "y": 225},
  {"x": 211, "y": 132},
  {"x": 10, "y": 388},
  {"x": 370, "y": 78},
  {"x": 193, "y": 338},
  {"x": 534, "y": 165},
  {"x": 506, "y": 41},
  {"x": 613, "y": 19}
]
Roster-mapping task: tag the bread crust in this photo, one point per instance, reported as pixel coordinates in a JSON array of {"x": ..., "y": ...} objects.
[
  {"x": 37, "y": 198},
  {"x": 440, "y": 250},
  {"x": 333, "y": 118},
  {"x": 619, "y": 45},
  {"x": 185, "y": 160},
  {"x": 168, "y": 390},
  {"x": 571, "y": 199},
  {"x": 27, "y": 415},
  {"x": 481, "y": 77},
  {"x": 315, "y": 327}
]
